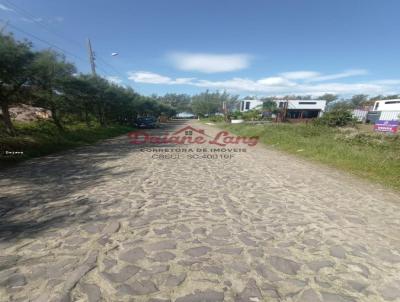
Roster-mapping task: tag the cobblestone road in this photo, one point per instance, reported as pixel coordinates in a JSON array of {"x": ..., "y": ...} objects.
[{"x": 110, "y": 223}]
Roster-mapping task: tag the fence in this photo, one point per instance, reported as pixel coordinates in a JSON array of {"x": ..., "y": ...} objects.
[{"x": 390, "y": 116}]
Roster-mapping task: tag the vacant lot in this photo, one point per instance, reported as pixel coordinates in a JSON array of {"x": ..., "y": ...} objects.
[{"x": 370, "y": 155}]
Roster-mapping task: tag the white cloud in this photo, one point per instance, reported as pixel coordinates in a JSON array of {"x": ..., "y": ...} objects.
[
  {"x": 341, "y": 75},
  {"x": 275, "y": 81},
  {"x": 148, "y": 77},
  {"x": 300, "y": 75},
  {"x": 280, "y": 85},
  {"x": 209, "y": 63},
  {"x": 155, "y": 78},
  {"x": 5, "y": 8}
]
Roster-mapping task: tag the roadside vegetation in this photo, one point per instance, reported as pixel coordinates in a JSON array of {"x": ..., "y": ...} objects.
[
  {"x": 374, "y": 156},
  {"x": 43, "y": 138},
  {"x": 74, "y": 108}
]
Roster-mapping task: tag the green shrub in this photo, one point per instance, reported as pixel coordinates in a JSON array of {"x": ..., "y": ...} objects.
[{"x": 337, "y": 118}]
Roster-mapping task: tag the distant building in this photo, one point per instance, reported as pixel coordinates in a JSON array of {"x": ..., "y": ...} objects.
[
  {"x": 387, "y": 105},
  {"x": 386, "y": 110},
  {"x": 247, "y": 105},
  {"x": 295, "y": 109}
]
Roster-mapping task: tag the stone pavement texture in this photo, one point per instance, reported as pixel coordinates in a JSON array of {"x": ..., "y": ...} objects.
[{"x": 110, "y": 223}]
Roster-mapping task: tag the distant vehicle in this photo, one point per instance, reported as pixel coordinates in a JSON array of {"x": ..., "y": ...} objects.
[
  {"x": 114, "y": 54},
  {"x": 146, "y": 122}
]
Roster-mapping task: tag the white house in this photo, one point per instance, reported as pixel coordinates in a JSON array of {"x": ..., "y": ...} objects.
[
  {"x": 247, "y": 105},
  {"x": 295, "y": 109},
  {"x": 298, "y": 109},
  {"x": 387, "y": 105},
  {"x": 386, "y": 110}
]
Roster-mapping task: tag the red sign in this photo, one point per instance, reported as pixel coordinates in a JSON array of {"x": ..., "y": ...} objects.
[{"x": 386, "y": 126}]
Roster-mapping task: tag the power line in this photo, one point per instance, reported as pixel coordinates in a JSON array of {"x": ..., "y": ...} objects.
[
  {"x": 65, "y": 52},
  {"x": 35, "y": 19}
]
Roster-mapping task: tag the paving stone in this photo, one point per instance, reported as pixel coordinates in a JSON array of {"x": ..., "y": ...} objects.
[
  {"x": 391, "y": 291},
  {"x": 316, "y": 265},
  {"x": 203, "y": 296},
  {"x": 124, "y": 274},
  {"x": 309, "y": 295},
  {"x": 240, "y": 267},
  {"x": 388, "y": 256},
  {"x": 359, "y": 268},
  {"x": 183, "y": 228},
  {"x": 197, "y": 251},
  {"x": 337, "y": 251},
  {"x": 137, "y": 288},
  {"x": 221, "y": 232},
  {"x": 93, "y": 228},
  {"x": 175, "y": 280},
  {"x": 284, "y": 265},
  {"x": 92, "y": 291},
  {"x": 163, "y": 256},
  {"x": 162, "y": 245},
  {"x": 331, "y": 297},
  {"x": 15, "y": 280},
  {"x": 76, "y": 240},
  {"x": 230, "y": 250},
  {"x": 111, "y": 227},
  {"x": 358, "y": 286},
  {"x": 247, "y": 240},
  {"x": 213, "y": 269},
  {"x": 267, "y": 273},
  {"x": 132, "y": 255},
  {"x": 251, "y": 293}
]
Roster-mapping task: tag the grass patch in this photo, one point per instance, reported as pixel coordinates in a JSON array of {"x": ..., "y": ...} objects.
[
  {"x": 42, "y": 138},
  {"x": 370, "y": 155}
]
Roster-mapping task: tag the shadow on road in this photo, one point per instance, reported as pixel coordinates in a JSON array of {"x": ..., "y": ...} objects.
[{"x": 41, "y": 194}]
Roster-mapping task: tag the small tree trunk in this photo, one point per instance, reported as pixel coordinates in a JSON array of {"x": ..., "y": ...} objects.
[
  {"x": 87, "y": 117},
  {"x": 7, "y": 119},
  {"x": 56, "y": 119}
]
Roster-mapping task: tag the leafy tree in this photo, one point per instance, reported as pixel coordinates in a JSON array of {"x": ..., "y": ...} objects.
[
  {"x": 15, "y": 74},
  {"x": 205, "y": 104},
  {"x": 358, "y": 100},
  {"x": 51, "y": 72},
  {"x": 181, "y": 102},
  {"x": 269, "y": 106},
  {"x": 328, "y": 97}
]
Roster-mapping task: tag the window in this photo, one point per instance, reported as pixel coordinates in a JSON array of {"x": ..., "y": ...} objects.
[
  {"x": 280, "y": 104},
  {"x": 242, "y": 105},
  {"x": 247, "y": 105},
  {"x": 307, "y": 103},
  {"x": 376, "y": 106},
  {"x": 392, "y": 102}
]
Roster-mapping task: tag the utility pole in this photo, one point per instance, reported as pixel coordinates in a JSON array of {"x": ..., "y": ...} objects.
[
  {"x": 4, "y": 27},
  {"x": 91, "y": 57}
]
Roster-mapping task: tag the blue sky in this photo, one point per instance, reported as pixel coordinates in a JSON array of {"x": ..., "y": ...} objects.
[{"x": 245, "y": 47}]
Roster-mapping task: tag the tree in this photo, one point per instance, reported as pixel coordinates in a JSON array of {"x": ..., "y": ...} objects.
[
  {"x": 328, "y": 97},
  {"x": 15, "y": 74},
  {"x": 51, "y": 72},
  {"x": 181, "y": 102},
  {"x": 358, "y": 100},
  {"x": 270, "y": 106},
  {"x": 209, "y": 103}
]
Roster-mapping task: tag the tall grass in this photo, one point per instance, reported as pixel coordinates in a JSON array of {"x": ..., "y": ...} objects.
[
  {"x": 370, "y": 155},
  {"x": 42, "y": 138}
]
